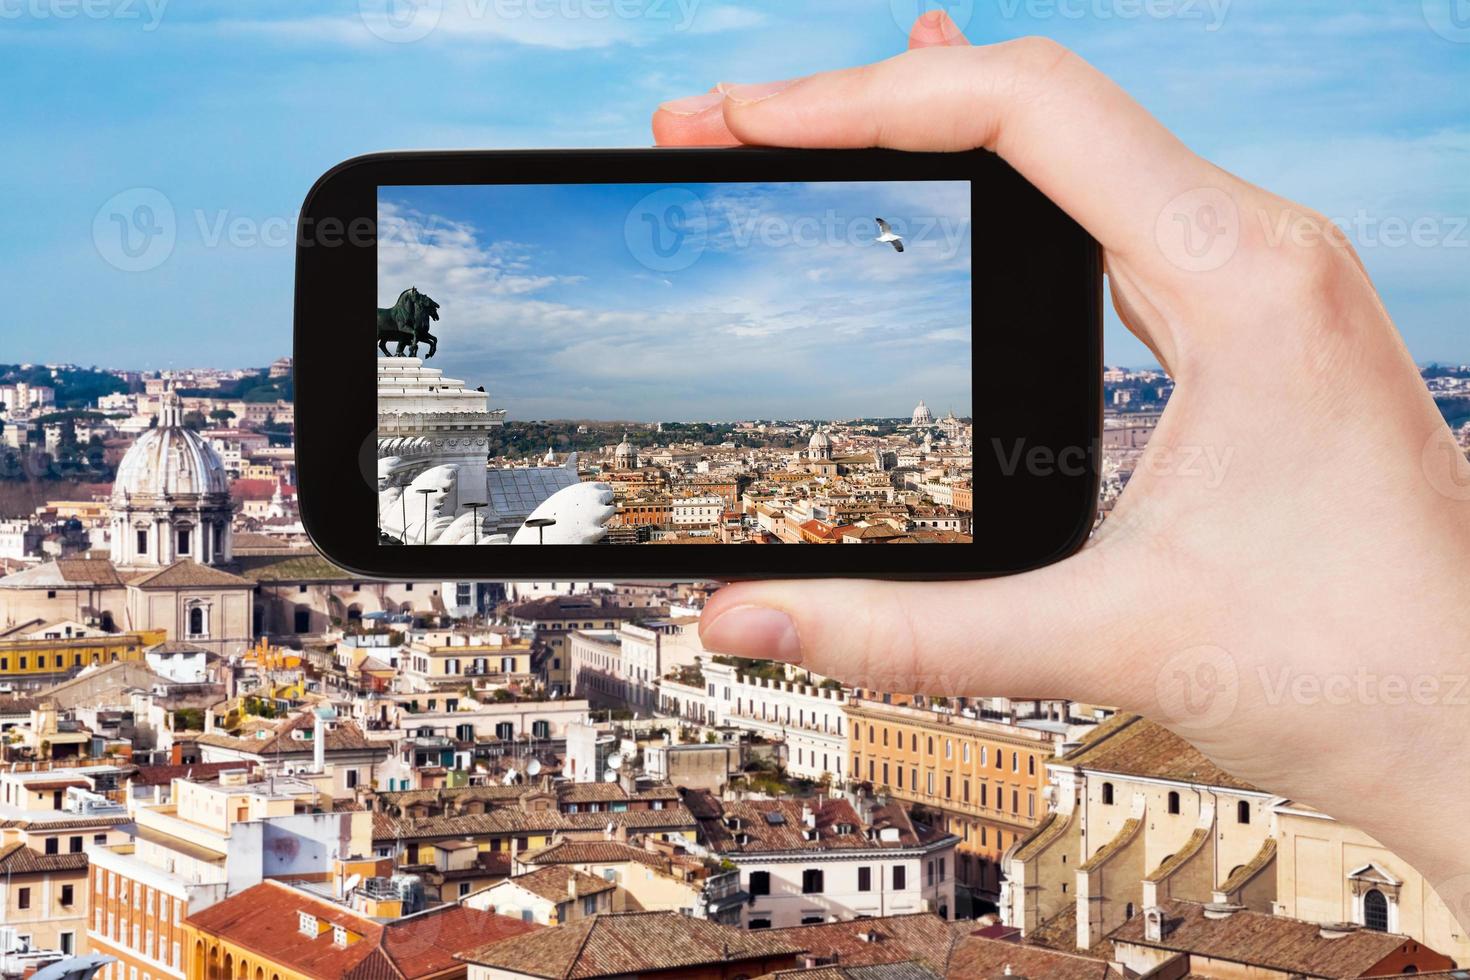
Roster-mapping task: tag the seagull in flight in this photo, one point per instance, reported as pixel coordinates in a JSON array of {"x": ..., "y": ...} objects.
[{"x": 885, "y": 234}]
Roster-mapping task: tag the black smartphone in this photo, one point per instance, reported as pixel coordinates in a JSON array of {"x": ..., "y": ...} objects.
[{"x": 642, "y": 358}]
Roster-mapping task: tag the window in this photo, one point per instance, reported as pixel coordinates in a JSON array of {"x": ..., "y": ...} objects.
[
  {"x": 306, "y": 924},
  {"x": 142, "y": 542},
  {"x": 900, "y": 877},
  {"x": 1243, "y": 812},
  {"x": 812, "y": 920},
  {"x": 865, "y": 879},
  {"x": 811, "y": 881},
  {"x": 66, "y": 895},
  {"x": 53, "y": 845},
  {"x": 1107, "y": 794},
  {"x": 758, "y": 924},
  {"x": 1173, "y": 801},
  {"x": 184, "y": 542},
  {"x": 68, "y": 941},
  {"x": 1375, "y": 910},
  {"x": 760, "y": 883},
  {"x": 23, "y": 898},
  {"x": 196, "y": 621},
  {"x": 589, "y": 905},
  {"x": 339, "y": 936},
  {"x": 75, "y": 845}
]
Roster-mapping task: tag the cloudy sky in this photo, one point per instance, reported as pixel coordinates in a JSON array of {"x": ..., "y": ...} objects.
[
  {"x": 214, "y": 117},
  {"x": 754, "y": 301}
]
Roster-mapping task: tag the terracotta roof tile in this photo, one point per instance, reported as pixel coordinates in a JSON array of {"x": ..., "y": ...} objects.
[
  {"x": 627, "y": 944},
  {"x": 1261, "y": 939},
  {"x": 266, "y": 920},
  {"x": 1133, "y": 746},
  {"x": 889, "y": 939},
  {"x": 19, "y": 859}
]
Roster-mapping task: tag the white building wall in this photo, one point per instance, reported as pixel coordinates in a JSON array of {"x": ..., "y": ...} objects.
[{"x": 922, "y": 887}]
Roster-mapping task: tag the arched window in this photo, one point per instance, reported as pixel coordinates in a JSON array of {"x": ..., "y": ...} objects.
[
  {"x": 1173, "y": 801},
  {"x": 196, "y": 621},
  {"x": 1128, "y": 911},
  {"x": 1107, "y": 794},
  {"x": 1243, "y": 812},
  {"x": 1375, "y": 910}
]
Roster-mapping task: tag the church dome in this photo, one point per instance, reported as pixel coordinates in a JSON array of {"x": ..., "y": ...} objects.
[
  {"x": 170, "y": 461},
  {"x": 171, "y": 499},
  {"x": 819, "y": 440},
  {"x": 922, "y": 415}
]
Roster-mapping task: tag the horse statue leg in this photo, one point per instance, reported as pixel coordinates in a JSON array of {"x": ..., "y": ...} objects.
[{"x": 433, "y": 344}]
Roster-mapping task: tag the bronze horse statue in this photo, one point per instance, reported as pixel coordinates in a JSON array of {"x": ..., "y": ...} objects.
[{"x": 407, "y": 324}]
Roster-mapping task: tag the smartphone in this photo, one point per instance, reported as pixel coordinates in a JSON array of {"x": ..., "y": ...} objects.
[{"x": 652, "y": 363}]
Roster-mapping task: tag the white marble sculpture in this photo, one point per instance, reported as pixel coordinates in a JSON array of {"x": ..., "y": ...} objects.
[{"x": 581, "y": 512}]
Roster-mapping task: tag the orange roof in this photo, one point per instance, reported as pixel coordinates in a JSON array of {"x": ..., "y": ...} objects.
[{"x": 266, "y": 919}]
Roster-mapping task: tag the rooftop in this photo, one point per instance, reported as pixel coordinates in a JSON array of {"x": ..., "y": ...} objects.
[{"x": 626, "y": 944}]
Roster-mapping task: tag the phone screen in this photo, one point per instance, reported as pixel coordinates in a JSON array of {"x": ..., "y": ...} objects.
[{"x": 717, "y": 363}]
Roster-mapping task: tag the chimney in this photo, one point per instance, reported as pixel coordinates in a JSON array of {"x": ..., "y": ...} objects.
[
  {"x": 808, "y": 818},
  {"x": 1153, "y": 924},
  {"x": 208, "y": 720},
  {"x": 571, "y": 883},
  {"x": 319, "y": 743}
]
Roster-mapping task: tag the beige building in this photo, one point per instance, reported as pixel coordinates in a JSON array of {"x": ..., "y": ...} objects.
[
  {"x": 552, "y": 895},
  {"x": 1327, "y": 871},
  {"x": 438, "y": 659},
  {"x": 1142, "y": 821},
  {"x": 1138, "y": 817}
]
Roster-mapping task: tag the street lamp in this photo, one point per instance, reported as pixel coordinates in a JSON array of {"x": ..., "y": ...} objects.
[
  {"x": 426, "y": 491},
  {"x": 541, "y": 524}
]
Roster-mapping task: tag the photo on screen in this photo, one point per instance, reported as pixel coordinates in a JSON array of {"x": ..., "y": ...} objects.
[{"x": 717, "y": 363}]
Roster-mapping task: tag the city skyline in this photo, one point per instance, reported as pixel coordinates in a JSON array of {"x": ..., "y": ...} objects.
[
  {"x": 1367, "y": 112},
  {"x": 773, "y": 302}
]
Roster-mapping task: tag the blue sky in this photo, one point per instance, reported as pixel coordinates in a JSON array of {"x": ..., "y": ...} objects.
[
  {"x": 755, "y": 301},
  {"x": 221, "y": 113}
]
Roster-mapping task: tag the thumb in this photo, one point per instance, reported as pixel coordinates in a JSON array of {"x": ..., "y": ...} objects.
[{"x": 1060, "y": 629}]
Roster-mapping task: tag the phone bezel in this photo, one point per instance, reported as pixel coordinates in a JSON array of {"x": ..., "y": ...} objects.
[{"x": 1037, "y": 385}]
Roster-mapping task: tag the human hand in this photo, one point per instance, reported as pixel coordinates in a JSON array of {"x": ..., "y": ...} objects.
[{"x": 1300, "y": 616}]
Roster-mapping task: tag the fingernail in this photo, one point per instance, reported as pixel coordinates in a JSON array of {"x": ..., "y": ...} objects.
[
  {"x": 746, "y": 94},
  {"x": 694, "y": 104},
  {"x": 754, "y": 632}
]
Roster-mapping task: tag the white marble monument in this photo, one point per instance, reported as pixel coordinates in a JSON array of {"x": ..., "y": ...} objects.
[{"x": 435, "y": 487}]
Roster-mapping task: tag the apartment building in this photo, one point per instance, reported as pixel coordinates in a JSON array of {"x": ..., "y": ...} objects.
[
  {"x": 826, "y": 859},
  {"x": 979, "y": 768},
  {"x": 213, "y": 839},
  {"x": 805, "y": 715},
  {"x": 438, "y": 659}
]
